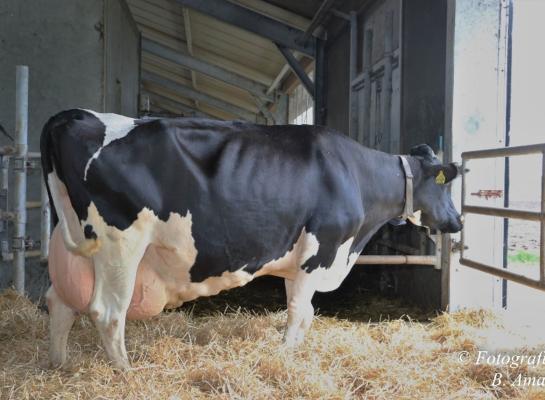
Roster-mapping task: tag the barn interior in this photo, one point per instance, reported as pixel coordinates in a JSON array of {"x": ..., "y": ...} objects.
[
  {"x": 413, "y": 316},
  {"x": 380, "y": 71}
]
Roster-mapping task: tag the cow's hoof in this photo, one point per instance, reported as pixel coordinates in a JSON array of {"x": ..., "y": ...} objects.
[
  {"x": 56, "y": 364},
  {"x": 122, "y": 365}
]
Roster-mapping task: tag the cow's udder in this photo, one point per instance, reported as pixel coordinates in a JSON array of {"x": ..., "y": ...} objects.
[{"x": 73, "y": 278}]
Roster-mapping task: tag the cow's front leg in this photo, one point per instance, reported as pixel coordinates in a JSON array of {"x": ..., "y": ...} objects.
[
  {"x": 61, "y": 319},
  {"x": 115, "y": 274},
  {"x": 299, "y": 294}
]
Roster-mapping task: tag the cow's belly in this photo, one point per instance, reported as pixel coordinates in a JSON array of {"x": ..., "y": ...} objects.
[{"x": 162, "y": 281}]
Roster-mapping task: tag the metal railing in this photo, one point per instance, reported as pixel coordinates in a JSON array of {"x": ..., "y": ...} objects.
[{"x": 508, "y": 213}]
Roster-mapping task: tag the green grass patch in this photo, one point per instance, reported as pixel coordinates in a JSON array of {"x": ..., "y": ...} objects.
[{"x": 524, "y": 257}]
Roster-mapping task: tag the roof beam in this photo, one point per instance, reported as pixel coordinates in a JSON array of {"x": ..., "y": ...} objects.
[
  {"x": 150, "y": 88},
  {"x": 318, "y": 19},
  {"x": 193, "y": 94},
  {"x": 211, "y": 70},
  {"x": 185, "y": 109},
  {"x": 297, "y": 69},
  {"x": 253, "y": 22}
]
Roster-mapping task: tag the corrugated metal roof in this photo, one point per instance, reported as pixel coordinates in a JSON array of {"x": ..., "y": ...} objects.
[{"x": 214, "y": 42}]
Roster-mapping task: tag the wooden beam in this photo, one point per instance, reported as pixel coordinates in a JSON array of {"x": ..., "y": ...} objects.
[
  {"x": 318, "y": 19},
  {"x": 191, "y": 93},
  {"x": 208, "y": 69},
  {"x": 297, "y": 69},
  {"x": 183, "y": 108},
  {"x": 253, "y": 22}
]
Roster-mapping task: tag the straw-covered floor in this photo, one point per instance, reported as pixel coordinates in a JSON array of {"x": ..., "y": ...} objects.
[{"x": 239, "y": 355}]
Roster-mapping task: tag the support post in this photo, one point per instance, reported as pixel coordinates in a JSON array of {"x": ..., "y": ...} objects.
[
  {"x": 21, "y": 148},
  {"x": 45, "y": 225},
  {"x": 365, "y": 133},
  {"x": 352, "y": 102},
  {"x": 281, "y": 111},
  {"x": 320, "y": 78},
  {"x": 387, "y": 84},
  {"x": 267, "y": 114}
]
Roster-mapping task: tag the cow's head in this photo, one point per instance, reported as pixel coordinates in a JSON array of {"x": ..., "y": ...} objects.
[{"x": 431, "y": 194}]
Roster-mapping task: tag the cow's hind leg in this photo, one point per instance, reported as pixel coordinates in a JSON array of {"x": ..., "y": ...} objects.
[
  {"x": 299, "y": 294},
  {"x": 115, "y": 275},
  {"x": 61, "y": 319}
]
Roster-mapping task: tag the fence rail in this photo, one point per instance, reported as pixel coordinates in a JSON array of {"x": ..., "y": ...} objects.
[{"x": 507, "y": 213}]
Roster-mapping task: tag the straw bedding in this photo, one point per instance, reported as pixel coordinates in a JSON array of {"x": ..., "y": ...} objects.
[{"x": 239, "y": 355}]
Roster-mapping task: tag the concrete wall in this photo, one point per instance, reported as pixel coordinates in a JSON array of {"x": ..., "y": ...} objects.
[{"x": 63, "y": 42}]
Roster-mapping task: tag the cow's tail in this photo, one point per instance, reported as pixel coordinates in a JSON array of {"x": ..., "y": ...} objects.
[{"x": 62, "y": 211}]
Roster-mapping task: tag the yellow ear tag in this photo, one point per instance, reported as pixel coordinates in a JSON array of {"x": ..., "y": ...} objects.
[{"x": 440, "y": 178}]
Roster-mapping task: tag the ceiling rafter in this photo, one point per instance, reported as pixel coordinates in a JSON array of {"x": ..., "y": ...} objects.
[
  {"x": 254, "y": 22},
  {"x": 191, "y": 93},
  {"x": 208, "y": 69}
]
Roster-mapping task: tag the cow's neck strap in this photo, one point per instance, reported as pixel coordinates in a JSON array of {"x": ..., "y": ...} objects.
[{"x": 408, "y": 209}]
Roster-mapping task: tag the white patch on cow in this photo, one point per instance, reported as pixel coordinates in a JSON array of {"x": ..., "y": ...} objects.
[
  {"x": 328, "y": 278},
  {"x": 287, "y": 266},
  {"x": 117, "y": 127},
  {"x": 73, "y": 236},
  {"x": 416, "y": 218}
]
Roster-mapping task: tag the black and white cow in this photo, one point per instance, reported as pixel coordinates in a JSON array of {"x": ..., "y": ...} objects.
[{"x": 164, "y": 211}]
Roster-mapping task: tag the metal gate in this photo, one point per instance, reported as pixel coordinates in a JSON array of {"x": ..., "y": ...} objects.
[{"x": 538, "y": 216}]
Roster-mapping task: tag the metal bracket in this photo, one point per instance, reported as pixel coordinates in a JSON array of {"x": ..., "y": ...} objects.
[
  {"x": 7, "y": 216},
  {"x": 19, "y": 244},
  {"x": 456, "y": 246},
  {"x": 24, "y": 164},
  {"x": 19, "y": 163}
]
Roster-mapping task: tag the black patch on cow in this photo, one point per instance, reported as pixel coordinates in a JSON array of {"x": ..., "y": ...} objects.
[
  {"x": 424, "y": 151},
  {"x": 89, "y": 232},
  {"x": 250, "y": 189}
]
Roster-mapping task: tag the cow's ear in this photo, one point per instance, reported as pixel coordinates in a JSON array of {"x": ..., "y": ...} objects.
[
  {"x": 443, "y": 174},
  {"x": 424, "y": 151}
]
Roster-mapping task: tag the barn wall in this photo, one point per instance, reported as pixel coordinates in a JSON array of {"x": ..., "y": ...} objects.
[
  {"x": 62, "y": 42},
  {"x": 423, "y": 59}
]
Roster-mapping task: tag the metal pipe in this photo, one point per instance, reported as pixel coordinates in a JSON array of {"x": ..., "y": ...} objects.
[
  {"x": 33, "y": 204},
  {"x": 28, "y": 254},
  {"x": 505, "y": 151},
  {"x": 505, "y": 213},
  {"x": 5, "y": 175},
  {"x": 33, "y": 154},
  {"x": 502, "y": 273},
  {"x": 45, "y": 226},
  {"x": 21, "y": 148},
  {"x": 397, "y": 260},
  {"x": 542, "y": 247}
]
